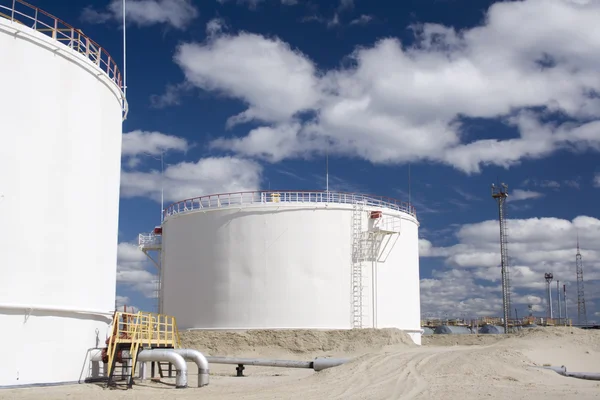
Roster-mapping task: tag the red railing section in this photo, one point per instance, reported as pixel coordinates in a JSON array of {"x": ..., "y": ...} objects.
[{"x": 28, "y": 15}]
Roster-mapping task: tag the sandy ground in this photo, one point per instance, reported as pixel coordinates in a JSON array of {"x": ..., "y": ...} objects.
[{"x": 386, "y": 365}]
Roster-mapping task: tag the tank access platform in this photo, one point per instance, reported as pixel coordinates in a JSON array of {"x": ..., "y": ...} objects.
[{"x": 133, "y": 332}]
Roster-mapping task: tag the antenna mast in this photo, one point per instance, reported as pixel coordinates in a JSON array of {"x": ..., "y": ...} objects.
[
  {"x": 409, "y": 203},
  {"x": 500, "y": 194},
  {"x": 581, "y": 313},
  {"x": 124, "y": 54},
  {"x": 327, "y": 169}
]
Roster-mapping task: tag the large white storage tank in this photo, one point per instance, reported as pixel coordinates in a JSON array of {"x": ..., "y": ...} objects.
[
  {"x": 291, "y": 260},
  {"x": 61, "y": 124}
]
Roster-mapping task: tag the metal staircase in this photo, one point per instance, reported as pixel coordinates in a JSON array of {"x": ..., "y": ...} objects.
[
  {"x": 152, "y": 243},
  {"x": 134, "y": 332},
  {"x": 357, "y": 264}
]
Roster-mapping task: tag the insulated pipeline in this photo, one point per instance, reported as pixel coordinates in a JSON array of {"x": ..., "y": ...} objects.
[
  {"x": 593, "y": 376},
  {"x": 200, "y": 360},
  {"x": 317, "y": 364},
  {"x": 169, "y": 356}
]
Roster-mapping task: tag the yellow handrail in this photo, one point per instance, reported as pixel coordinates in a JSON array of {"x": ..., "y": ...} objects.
[{"x": 141, "y": 329}]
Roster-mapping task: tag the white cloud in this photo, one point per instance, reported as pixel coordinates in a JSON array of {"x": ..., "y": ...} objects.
[
  {"x": 289, "y": 2},
  {"x": 276, "y": 81},
  {"x": 215, "y": 26},
  {"x": 134, "y": 270},
  {"x": 122, "y": 300},
  {"x": 597, "y": 180},
  {"x": 139, "y": 143},
  {"x": 470, "y": 280},
  {"x": 176, "y": 13},
  {"x": 393, "y": 103},
  {"x": 171, "y": 96},
  {"x": 190, "y": 179},
  {"x": 362, "y": 20},
  {"x": 153, "y": 143},
  {"x": 252, "y": 4},
  {"x": 346, "y": 5},
  {"x": 519, "y": 194},
  {"x": 185, "y": 179}
]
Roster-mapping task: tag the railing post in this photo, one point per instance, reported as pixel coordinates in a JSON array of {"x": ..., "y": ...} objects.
[
  {"x": 12, "y": 14},
  {"x": 55, "y": 30}
]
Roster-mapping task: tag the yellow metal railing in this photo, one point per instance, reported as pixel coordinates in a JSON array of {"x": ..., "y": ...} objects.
[{"x": 141, "y": 329}]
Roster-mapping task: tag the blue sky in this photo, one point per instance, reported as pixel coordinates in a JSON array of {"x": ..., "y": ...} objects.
[{"x": 245, "y": 95}]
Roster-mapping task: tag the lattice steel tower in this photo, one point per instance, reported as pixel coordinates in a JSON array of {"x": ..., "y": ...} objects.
[
  {"x": 581, "y": 313},
  {"x": 500, "y": 194}
]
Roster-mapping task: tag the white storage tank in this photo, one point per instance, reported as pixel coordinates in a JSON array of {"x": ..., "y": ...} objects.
[
  {"x": 61, "y": 124},
  {"x": 291, "y": 260}
]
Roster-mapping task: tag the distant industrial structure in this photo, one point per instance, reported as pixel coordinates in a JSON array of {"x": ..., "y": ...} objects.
[
  {"x": 500, "y": 194},
  {"x": 581, "y": 313}
]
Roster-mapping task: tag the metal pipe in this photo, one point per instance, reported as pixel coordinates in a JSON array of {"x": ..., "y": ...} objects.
[
  {"x": 200, "y": 360},
  {"x": 96, "y": 355},
  {"x": 318, "y": 364},
  {"x": 562, "y": 370},
  {"x": 321, "y": 363},
  {"x": 169, "y": 356}
]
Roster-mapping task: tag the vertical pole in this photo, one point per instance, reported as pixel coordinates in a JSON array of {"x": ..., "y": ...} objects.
[
  {"x": 558, "y": 300},
  {"x": 327, "y": 170},
  {"x": 565, "y": 299},
  {"x": 124, "y": 55},
  {"x": 409, "y": 185},
  {"x": 550, "y": 316},
  {"x": 162, "y": 186}
]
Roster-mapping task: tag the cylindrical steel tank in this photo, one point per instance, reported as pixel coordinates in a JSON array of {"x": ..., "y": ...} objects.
[
  {"x": 291, "y": 260},
  {"x": 61, "y": 125}
]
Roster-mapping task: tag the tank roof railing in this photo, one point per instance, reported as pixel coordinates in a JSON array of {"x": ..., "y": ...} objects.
[
  {"x": 223, "y": 200},
  {"x": 28, "y": 15}
]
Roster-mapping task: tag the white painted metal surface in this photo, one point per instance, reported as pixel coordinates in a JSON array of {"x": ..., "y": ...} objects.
[
  {"x": 61, "y": 119},
  {"x": 283, "y": 260}
]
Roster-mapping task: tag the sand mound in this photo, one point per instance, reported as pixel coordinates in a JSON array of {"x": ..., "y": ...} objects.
[{"x": 298, "y": 342}]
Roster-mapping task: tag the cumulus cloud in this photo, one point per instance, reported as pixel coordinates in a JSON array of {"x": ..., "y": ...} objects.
[
  {"x": 597, "y": 180},
  {"x": 190, "y": 179},
  {"x": 152, "y": 143},
  {"x": 519, "y": 194},
  {"x": 362, "y": 20},
  {"x": 139, "y": 143},
  {"x": 184, "y": 179},
  {"x": 471, "y": 277},
  {"x": 175, "y": 13},
  {"x": 396, "y": 103},
  {"x": 251, "y": 4},
  {"x": 276, "y": 81},
  {"x": 134, "y": 271}
]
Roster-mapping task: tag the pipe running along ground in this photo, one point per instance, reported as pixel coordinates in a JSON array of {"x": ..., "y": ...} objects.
[
  {"x": 318, "y": 364},
  {"x": 562, "y": 370}
]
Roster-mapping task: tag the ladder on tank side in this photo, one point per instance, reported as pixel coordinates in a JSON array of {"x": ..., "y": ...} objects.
[{"x": 357, "y": 264}]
